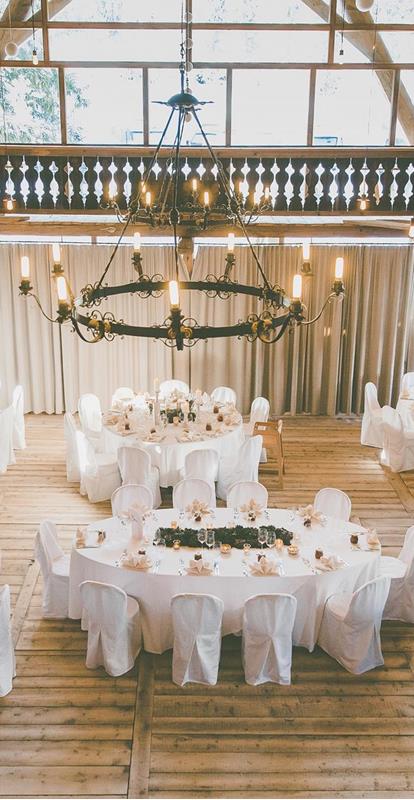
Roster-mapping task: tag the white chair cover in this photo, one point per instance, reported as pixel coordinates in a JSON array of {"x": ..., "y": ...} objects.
[
  {"x": 240, "y": 466},
  {"x": 202, "y": 464},
  {"x": 268, "y": 621},
  {"x": 100, "y": 474},
  {"x": 223, "y": 394},
  {"x": 197, "y": 622},
  {"x": 351, "y": 624},
  {"x": 333, "y": 503},
  {"x": 122, "y": 393},
  {"x": 167, "y": 387},
  {"x": 371, "y": 428},
  {"x": 400, "y": 601},
  {"x": 6, "y": 438},
  {"x": 135, "y": 467},
  {"x": 114, "y": 629},
  {"x": 398, "y": 444},
  {"x": 7, "y": 659},
  {"x": 72, "y": 456},
  {"x": 244, "y": 491},
  {"x": 190, "y": 489},
  {"x": 90, "y": 416},
  {"x": 259, "y": 412},
  {"x": 130, "y": 495},
  {"x": 54, "y": 565},
  {"x": 19, "y": 440},
  {"x": 407, "y": 384}
]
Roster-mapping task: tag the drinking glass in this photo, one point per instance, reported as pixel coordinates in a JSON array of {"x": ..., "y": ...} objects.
[
  {"x": 201, "y": 536},
  {"x": 210, "y": 539},
  {"x": 236, "y": 515},
  {"x": 271, "y": 538},
  {"x": 261, "y": 536}
]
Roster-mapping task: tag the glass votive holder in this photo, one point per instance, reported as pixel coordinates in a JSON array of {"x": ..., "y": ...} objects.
[{"x": 176, "y": 544}]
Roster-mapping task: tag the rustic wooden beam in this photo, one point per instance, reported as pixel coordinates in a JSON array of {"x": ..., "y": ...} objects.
[{"x": 119, "y": 151}]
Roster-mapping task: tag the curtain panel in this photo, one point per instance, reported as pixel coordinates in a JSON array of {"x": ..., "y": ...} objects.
[{"x": 316, "y": 369}]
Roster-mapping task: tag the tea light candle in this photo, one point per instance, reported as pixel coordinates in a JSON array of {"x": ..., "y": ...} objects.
[
  {"x": 225, "y": 548},
  {"x": 174, "y": 524},
  {"x": 279, "y": 544},
  {"x": 176, "y": 544}
]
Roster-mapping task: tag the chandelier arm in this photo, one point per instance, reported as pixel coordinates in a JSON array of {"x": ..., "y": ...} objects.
[
  {"x": 231, "y": 196},
  {"x": 74, "y": 321},
  {"x": 154, "y": 158},
  {"x": 46, "y": 316},
  {"x": 115, "y": 250},
  {"x": 318, "y": 316}
]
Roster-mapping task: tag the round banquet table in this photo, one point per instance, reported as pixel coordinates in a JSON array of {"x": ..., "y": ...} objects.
[
  {"x": 168, "y": 453},
  {"x": 154, "y": 589}
]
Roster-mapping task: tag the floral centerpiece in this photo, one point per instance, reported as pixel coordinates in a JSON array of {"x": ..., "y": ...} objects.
[{"x": 236, "y": 536}]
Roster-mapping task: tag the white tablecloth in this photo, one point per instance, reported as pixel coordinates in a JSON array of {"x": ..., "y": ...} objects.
[
  {"x": 169, "y": 454},
  {"x": 154, "y": 591}
]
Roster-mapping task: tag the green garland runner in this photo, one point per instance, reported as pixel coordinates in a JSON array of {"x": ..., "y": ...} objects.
[{"x": 236, "y": 536}]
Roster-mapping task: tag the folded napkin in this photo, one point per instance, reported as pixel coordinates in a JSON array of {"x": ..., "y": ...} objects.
[
  {"x": 266, "y": 566},
  {"x": 135, "y": 513},
  {"x": 252, "y": 510},
  {"x": 332, "y": 562},
  {"x": 118, "y": 405},
  {"x": 372, "y": 540},
  {"x": 199, "y": 567},
  {"x": 310, "y": 515},
  {"x": 135, "y": 561},
  {"x": 155, "y": 437},
  {"x": 111, "y": 419},
  {"x": 81, "y": 537},
  {"x": 198, "y": 510}
]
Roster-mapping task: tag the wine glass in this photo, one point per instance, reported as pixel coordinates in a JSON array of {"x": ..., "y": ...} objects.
[
  {"x": 236, "y": 515},
  {"x": 271, "y": 539},
  {"x": 210, "y": 539},
  {"x": 262, "y": 536},
  {"x": 201, "y": 536}
]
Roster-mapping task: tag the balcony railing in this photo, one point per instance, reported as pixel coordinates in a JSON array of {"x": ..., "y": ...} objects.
[{"x": 75, "y": 180}]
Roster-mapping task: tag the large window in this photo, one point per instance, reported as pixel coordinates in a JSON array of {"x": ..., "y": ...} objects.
[{"x": 277, "y": 71}]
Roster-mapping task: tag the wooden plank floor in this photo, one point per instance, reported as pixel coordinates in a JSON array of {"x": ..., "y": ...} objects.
[{"x": 68, "y": 731}]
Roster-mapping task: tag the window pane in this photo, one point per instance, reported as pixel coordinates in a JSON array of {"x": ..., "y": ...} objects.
[
  {"x": 400, "y": 45},
  {"x": 32, "y": 105},
  {"x": 401, "y": 12},
  {"x": 119, "y": 11},
  {"x": 205, "y": 85},
  {"x": 356, "y": 45},
  {"x": 351, "y": 107},
  {"x": 19, "y": 12},
  {"x": 104, "y": 106},
  {"x": 262, "y": 46},
  {"x": 270, "y": 107},
  {"x": 405, "y": 122},
  {"x": 23, "y": 38},
  {"x": 255, "y": 11},
  {"x": 112, "y": 45}
]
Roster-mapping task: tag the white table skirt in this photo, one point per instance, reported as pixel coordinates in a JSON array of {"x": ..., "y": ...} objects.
[
  {"x": 154, "y": 591},
  {"x": 169, "y": 455}
]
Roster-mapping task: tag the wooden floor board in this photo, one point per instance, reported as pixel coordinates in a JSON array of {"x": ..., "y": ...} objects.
[{"x": 66, "y": 731}]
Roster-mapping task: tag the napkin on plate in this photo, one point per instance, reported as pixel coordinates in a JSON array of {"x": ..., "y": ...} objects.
[
  {"x": 199, "y": 567},
  {"x": 135, "y": 561},
  {"x": 111, "y": 419},
  {"x": 310, "y": 515},
  {"x": 266, "y": 566},
  {"x": 198, "y": 510},
  {"x": 372, "y": 540},
  {"x": 331, "y": 562},
  {"x": 155, "y": 437},
  {"x": 251, "y": 510}
]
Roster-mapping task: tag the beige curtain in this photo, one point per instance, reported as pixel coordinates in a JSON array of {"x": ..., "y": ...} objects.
[{"x": 320, "y": 369}]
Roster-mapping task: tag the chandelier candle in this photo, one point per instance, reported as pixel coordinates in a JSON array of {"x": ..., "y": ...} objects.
[
  {"x": 25, "y": 273},
  {"x": 136, "y": 256},
  {"x": 338, "y": 286}
]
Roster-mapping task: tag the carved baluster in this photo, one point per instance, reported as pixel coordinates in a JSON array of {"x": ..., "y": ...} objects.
[
  {"x": 394, "y": 185},
  {"x": 39, "y": 185},
  {"x": 84, "y": 186},
  {"x": 54, "y": 186},
  {"x": 288, "y": 190},
  {"x": 333, "y": 190},
  {"x": 379, "y": 188},
  {"x": 98, "y": 186},
  {"x": 127, "y": 169},
  {"x": 274, "y": 186},
  {"x": 113, "y": 187},
  {"x": 408, "y": 188},
  {"x": 68, "y": 185},
  {"x": 304, "y": 188},
  {"x": 319, "y": 190},
  {"x": 349, "y": 191}
]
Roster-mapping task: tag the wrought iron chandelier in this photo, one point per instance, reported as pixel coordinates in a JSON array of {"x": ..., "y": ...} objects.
[{"x": 176, "y": 203}]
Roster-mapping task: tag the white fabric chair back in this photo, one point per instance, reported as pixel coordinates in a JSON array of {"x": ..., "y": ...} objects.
[
  {"x": 113, "y": 636},
  {"x": 86, "y": 454},
  {"x": 134, "y": 464},
  {"x": 90, "y": 414},
  {"x": 6, "y": 438},
  {"x": 248, "y": 458},
  {"x": 167, "y": 387},
  {"x": 72, "y": 455},
  {"x": 122, "y": 393},
  {"x": 407, "y": 552},
  {"x": 407, "y": 384},
  {"x": 197, "y": 622},
  {"x": 243, "y": 491},
  {"x": 190, "y": 489},
  {"x": 259, "y": 410},
  {"x": 19, "y": 440},
  {"x": 7, "y": 660},
  {"x": 371, "y": 398},
  {"x": 202, "y": 464},
  {"x": 223, "y": 394},
  {"x": 130, "y": 495},
  {"x": 393, "y": 431},
  {"x": 268, "y": 621},
  {"x": 368, "y": 602},
  {"x": 47, "y": 547},
  {"x": 400, "y": 601},
  {"x": 333, "y": 503}
]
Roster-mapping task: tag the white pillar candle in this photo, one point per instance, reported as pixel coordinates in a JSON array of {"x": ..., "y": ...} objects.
[{"x": 297, "y": 287}]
